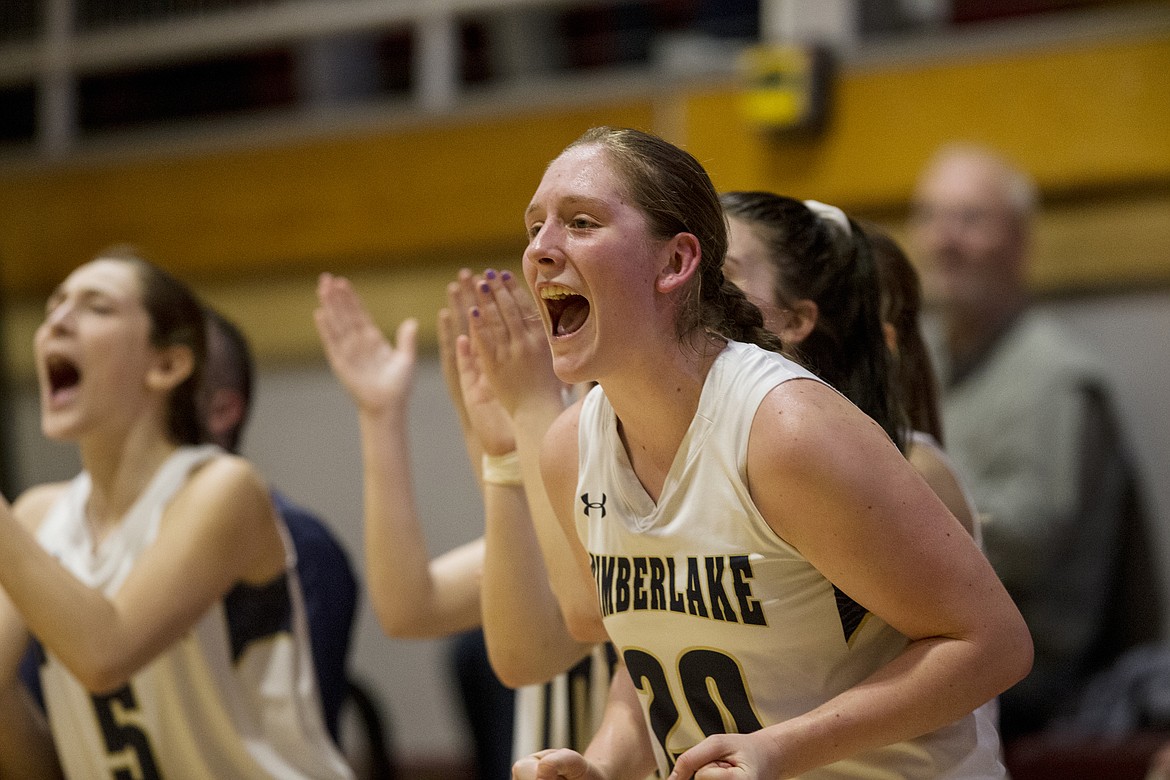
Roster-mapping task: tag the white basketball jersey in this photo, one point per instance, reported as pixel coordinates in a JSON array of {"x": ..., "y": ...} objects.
[
  {"x": 234, "y": 698},
  {"x": 724, "y": 627},
  {"x": 566, "y": 711}
]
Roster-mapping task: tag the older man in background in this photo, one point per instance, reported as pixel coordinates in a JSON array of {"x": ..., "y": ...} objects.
[{"x": 1030, "y": 421}]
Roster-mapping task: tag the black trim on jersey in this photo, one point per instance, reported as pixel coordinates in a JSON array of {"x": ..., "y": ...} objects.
[
  {"x": 611, "y": 658},
  {"x": 578, "y": 684},
  {"x": 30, "y": 669},
  {"x": 850, "y": 612},
  {"x": 546, "y": 726},
  {"x": 256, "y": 612},
  {"x": 36, "y": 653}
]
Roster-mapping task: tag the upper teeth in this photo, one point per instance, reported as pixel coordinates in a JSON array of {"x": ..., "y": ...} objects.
[{"x": 555, "y": 292}]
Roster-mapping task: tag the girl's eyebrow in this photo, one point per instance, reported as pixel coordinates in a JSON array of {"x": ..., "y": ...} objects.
[
  {"x": 572, "y": 200},
  {"x": 85, "y": 294},
  {"x": 55, "y": 297}
]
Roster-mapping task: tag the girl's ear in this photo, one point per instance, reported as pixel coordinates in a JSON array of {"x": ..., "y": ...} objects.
[
  {"x": 171, "y": 368},
  {"x": 225, "y": 413},
  {"x": 890, "y": 334},
  {"x": 683, "y": 262},
  {"x": 800, "y": 317}
]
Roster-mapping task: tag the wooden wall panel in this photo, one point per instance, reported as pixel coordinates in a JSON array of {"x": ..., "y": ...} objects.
[
  {"x": 401, "y": 210},
  {"x": 1081, "y": 117},
  {"x": 355, "y": 201}
]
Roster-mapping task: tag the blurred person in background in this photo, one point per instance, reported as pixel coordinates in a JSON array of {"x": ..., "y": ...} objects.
[
  {"x": 1030, "y": 421},
  {"x": 158, "y": 581}
]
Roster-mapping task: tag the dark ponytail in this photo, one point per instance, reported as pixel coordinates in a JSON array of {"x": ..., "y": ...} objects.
[
  {"x": 819, "y": 260},
  {"x": 901, "y": 307}
]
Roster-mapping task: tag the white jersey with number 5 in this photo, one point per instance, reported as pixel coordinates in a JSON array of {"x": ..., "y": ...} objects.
[
  {"x": 234, "y": 698},
  {"x": 723, "y": 626}
]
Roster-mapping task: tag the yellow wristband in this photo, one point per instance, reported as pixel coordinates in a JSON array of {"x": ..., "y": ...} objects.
[{"x": 502, "y": 469}]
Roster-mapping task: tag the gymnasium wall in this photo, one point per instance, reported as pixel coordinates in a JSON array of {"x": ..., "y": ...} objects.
[
  {"x": 253, "y": 218},
  {"x": 401, "y": 204}
]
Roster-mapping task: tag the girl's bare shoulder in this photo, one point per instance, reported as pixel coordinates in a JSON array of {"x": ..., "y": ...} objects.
[
  {"x": 226, "y": 487},
  {"x": 33, "y": 505},
  {"x": 805, "y": 416}
]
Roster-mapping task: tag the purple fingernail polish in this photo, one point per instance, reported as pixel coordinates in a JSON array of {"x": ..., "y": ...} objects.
[
  {"x": 490, "y": 274},
  {"x": 506, "y": 275},
  {"x": 474, "y": 311}
]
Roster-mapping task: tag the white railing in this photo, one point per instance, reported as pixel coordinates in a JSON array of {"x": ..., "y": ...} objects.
[
  {"x": 79, "y": 38},
  {"x": 63, "y": 50}
]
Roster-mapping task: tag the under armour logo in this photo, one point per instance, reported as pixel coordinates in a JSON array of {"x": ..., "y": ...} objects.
[{"x": 593, "y": 504}]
